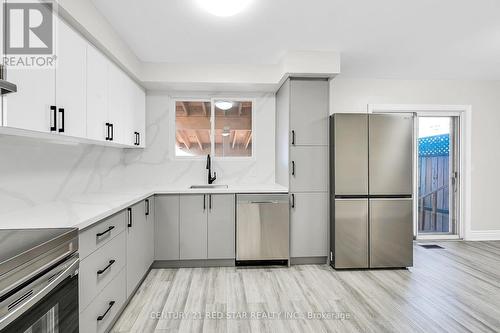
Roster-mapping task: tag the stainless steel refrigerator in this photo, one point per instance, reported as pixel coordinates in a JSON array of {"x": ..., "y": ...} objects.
[{"x": 371, "y": 160}]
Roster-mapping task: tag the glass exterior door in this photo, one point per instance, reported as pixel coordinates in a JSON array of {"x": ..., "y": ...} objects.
[{"x": 438, "y": 150}]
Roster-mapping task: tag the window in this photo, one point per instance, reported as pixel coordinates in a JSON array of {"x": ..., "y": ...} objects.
[
  {"x": 193, "y": 128},
  {"x": 220, "y": 127}
]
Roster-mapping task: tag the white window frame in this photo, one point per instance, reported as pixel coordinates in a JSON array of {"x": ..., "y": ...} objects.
[{"x": 211, "y": 99}]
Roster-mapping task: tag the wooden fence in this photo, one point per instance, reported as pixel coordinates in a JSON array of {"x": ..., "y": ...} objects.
[{"x": 433, "y": 203}]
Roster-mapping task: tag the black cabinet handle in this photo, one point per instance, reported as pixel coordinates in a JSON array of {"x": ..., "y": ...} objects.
[
  {"x": 53, "y": 114},
  {"x": 111, "y": 262},
  {"x": 293, "y": 137},
  {"x": 61, "y": 111},
  {"x": 137, "y": 138},
  {"x": 101, "y": 317},
  {"x": 204, "y": 202},
  {"x": 111, "y": 227},
  {"x": 112, "y": 132},
  {"x": 147, "y": 206},
  {"x": 210, "y": 201},
  {"x": 293, "y": 168},
  {"x": 107, "y": 131},
  {"x": 129, "y": 210},
  {"x": 293, "y": 200}
]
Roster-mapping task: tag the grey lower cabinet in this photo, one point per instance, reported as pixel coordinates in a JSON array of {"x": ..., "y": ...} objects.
[
  {"x": 138, "y": 240},
  {"x": 308, "y": 227},
  {"x": 193, "y": 227},
  {"x": 150, "y": 231},
  {"x": 207, "y": 223},
  {"x": 116, "y": 254},
  {"x": 166, "y": 239},
  {"x": 221, "y": 227}
]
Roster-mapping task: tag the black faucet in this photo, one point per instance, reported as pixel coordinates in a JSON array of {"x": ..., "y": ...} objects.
[{"x": 209, "y": 168}]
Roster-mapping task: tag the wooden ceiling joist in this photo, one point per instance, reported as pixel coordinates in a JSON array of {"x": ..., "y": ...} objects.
[
  {"x": 185, "y": 108},
  {"x": 203, "y": 123},
  {"x": 184, "y": 139},
  {"x": 234, "y": 138},
  {"x": 204, "y": 107},
  {"x": 248, "y": 140},
  {"x": 198, "y": 140}
]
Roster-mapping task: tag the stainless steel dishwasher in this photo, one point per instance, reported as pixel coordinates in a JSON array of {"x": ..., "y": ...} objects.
[{"x": 262, "y": 229}]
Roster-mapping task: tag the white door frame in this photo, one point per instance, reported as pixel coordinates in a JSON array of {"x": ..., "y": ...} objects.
[{"x": 464, "y": 113}]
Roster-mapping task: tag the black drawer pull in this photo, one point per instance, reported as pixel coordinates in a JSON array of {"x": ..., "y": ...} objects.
[
  {"x": 147, "y": 207},
  {"x": 101, "y": 317},
  {"x": 293, "y": 168},
  {"x": 106, "y": 231},
  {"x": 111, "y": 262},
  {"x": 293, "y": 200},
  {"x": 293, "y": 137}
]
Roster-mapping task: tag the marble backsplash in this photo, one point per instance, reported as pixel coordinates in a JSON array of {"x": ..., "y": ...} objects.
[{"x": 33, "y": 172}]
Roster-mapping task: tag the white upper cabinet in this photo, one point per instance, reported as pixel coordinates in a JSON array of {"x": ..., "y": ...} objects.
[
  {"x": 118, "y": 105},
  {"x": 30, "y": 107},
  {"x": 140, "y": 116},
  {"x": 97, "y": 94},
  {"x": 71, "y": 81},
  {"x": 84, "y": 96},
  {"x": 33, "y": 106}
]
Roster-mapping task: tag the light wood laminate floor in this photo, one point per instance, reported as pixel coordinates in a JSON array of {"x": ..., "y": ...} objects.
[{"x": 452, "y": 290}]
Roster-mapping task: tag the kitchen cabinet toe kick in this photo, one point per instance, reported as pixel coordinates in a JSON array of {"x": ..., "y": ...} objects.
[{"x": 193, "y": 263}]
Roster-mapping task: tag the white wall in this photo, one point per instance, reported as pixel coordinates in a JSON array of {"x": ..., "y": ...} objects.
[
  {"x": 353, "y": 95},
  {"x": 156, "y": 166}
]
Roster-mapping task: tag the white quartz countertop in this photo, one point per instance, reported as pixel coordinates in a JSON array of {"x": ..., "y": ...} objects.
[{"x": 85, "y": 210}]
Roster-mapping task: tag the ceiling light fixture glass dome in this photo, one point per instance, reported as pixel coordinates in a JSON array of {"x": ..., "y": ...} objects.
[
  {"x": 224, "y": 8},
  {"x": 224, "y": 105}
]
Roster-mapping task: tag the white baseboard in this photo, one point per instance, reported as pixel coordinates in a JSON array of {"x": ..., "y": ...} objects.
[{"x": 483, "y": 235}]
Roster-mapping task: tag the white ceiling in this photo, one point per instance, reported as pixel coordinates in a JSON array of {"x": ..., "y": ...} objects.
[{"x": 428, "y": 39}]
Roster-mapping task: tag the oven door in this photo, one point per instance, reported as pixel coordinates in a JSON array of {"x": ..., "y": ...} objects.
[{"x": 49, "y": 304}]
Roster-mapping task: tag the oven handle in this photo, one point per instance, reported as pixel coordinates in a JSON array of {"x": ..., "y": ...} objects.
[{"x": 70, "y": 270}]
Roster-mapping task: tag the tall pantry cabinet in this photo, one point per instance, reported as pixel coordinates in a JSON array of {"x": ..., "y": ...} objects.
[{"x": 302, "y": 111}]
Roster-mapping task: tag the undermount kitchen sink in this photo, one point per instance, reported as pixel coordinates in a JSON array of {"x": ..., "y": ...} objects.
[{"x": 213, "y": 186}]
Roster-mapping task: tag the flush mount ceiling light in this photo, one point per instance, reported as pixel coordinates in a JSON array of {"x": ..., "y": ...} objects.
[
  {"x": 223, "y": 8},
  {"x": 224, "y": 105}
]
